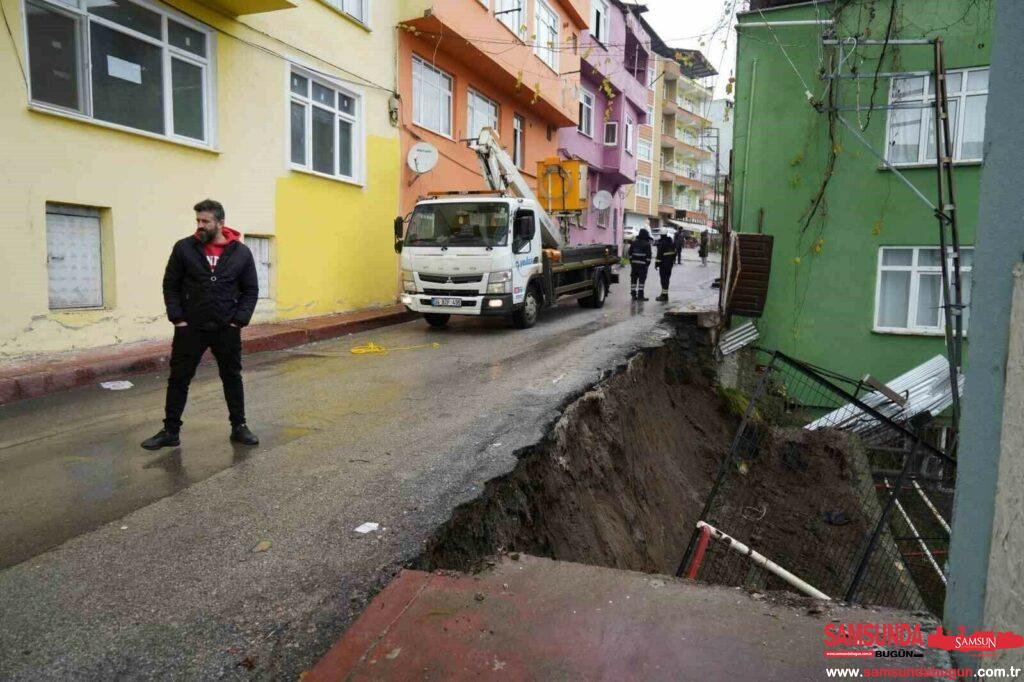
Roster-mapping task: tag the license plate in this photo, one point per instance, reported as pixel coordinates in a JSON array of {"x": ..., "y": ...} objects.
[{"x": 447, "y": 302}]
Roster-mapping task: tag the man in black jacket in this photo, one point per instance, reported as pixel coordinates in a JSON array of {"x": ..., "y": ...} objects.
[
  {"x": 666, "y": 258},
  {"x": 210, "y": 291},
  {"x": 639, "y": 261}
]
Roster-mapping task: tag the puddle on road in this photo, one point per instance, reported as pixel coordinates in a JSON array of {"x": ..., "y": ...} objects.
[{"x": 79, "y": 487}]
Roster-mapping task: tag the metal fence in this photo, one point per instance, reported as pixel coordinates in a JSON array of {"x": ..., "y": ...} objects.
[{"x": 855, "y": 517}]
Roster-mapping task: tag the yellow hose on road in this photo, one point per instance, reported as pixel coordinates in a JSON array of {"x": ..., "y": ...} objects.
[{"x": 374, "y": 349}]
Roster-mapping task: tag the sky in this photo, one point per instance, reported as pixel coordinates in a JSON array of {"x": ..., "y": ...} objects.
[{"x": 688, "y": 23}]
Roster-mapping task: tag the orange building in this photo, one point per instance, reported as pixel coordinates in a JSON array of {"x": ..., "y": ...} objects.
[{"x": 464, "y": 64}]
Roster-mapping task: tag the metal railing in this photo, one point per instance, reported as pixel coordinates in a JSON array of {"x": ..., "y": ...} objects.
[{"x": 861, "y": 522}]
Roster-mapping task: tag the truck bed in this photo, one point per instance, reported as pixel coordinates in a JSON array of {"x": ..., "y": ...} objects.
[{"x": 588, "y": 252}]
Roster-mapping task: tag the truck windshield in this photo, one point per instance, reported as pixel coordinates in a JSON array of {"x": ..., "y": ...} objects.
[{"x": 459, "y": 224}]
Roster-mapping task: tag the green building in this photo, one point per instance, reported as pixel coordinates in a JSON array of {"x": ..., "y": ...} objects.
[{"x": 855, "y": 274}]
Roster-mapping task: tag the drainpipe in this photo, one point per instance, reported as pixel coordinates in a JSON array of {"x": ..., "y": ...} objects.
[
  {"x": 746, "y": 143},
  {"x": 764, "y": 562}
]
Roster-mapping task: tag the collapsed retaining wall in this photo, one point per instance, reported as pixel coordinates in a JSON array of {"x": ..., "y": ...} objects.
[{"x": 622, "y": 476}]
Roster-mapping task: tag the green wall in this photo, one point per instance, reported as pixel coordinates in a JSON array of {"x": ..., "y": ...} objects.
[{"x": 820, "y": 305}]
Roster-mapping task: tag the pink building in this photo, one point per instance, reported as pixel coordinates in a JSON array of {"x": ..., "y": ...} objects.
[{"x": 614, "y": 58}]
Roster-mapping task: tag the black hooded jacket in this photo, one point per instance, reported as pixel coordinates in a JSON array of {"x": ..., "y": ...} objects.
[
  {"x": 640, "y": 250},
  {"x": 210, "y": 299},
  {"x": 666, "y": 251}
]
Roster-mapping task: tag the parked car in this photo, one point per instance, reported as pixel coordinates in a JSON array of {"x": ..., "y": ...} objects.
[
  {"x": 656, "y": 232},
  {"x": 629, "y": 233}
]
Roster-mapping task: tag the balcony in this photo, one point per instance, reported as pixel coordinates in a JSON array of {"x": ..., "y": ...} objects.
[
  {"x": 238, "y": 7},
  {"x": 690, "y": 150}
]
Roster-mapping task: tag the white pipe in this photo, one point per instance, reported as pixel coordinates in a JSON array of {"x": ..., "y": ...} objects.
[
  {"x": 765, "y": 563},
  {"x": 801, "y": 22},
  {"x": 913, "y": 531},
  {"x": 927, "y": 501},
  {"x": 746, "y": 146}
]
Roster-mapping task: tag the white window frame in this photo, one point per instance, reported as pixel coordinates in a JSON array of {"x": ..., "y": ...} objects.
[
  {"x": 76, "y": 9},
  {"x": 652, "y": 75},
  {"x": 519, "y": 141},
  {"x": 269, "y": 240},
  {"x": 643, "y": 181},
  {"x": 512, "y": 15},
  {"x": 588, "y": 104},
  {"x": 612, "y": 126},
  {"x": 345, "y": 7},
  {"x": 645, "y": 150},
  {"x": 601, "y": 24},
  {"x": 926, "y": 138},
  {"x": 547, "y": 46},
  {"x": 650, "y": 114},
  {"x": 357, "y": 120},
  {"x": 474, "y": 101},
  {"x": 915, "y": 271},
  {"x": 449, "y": 95},
  {"x": 629, "y": 132}
]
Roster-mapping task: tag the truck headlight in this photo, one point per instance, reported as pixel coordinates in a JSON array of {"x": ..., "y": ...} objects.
[
  {"x": 499, "y": 282},
  {"x": 408, "y": 282}
]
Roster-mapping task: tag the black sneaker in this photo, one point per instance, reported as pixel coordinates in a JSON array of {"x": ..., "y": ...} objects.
[
  {"x": 164, "y": 439},
  {"x": 663, "y": 298},
  {"x": 242, "y": 434},
  {"x": 632, "y": 295},
  {"x": 641, "y": 297}
]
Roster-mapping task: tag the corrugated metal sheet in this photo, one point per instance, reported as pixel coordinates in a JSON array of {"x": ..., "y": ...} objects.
[
  {"x": 737, "y": 338},
  {"x": 926, "y": 388}
]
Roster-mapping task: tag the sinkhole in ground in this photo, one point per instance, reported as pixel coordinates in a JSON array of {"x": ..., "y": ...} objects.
[
  {"x": 618, "y": 481},
  {"x": 621, "y": 478}
]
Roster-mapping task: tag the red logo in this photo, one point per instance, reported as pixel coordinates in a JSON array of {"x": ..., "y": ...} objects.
[{"x": 979, "y": 642}]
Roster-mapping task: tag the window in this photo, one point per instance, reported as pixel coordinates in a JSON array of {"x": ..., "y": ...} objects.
[
  {"x": 911, "y": 130},
  {"x": 431, "y": 97},
  {"x": 650, "y": 114},
  {"x": 611, "y": 133},
  {"x": 586, "y": 124},
  {"x": 547, "y": 34},
  {"x": 599, "y": 20},
  {"x": 74, "y": 261},
  {"x": 260, "y": 247},
  {"x": 325, "y": 127},
  {"x": 357, "y": 9},
  {"x": 643, "y": 186},
  {"x": 604, "y": 216},
  {"x": 909, "y": 289},
  {"x": 644, "y": 150},
  {"x": 652, "y": 76},
  {"x": 122, "y": 63},
  {"x": 630, "y": 130},
  {"x": 518, "y": 141},
  {"x": 512, "y": 14},
  {"x": 481, "y": 113}
]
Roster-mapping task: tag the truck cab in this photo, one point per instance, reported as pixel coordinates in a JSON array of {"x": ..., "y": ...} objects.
[{"x": 471, "y": 255}]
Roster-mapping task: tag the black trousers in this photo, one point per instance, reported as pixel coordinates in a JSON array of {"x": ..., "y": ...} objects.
[
  {"x": 665, "y": 270},
  {"x": 679, "y": 254},
  {"x": 186, "y": 352},
  {"x": 637, "y": 277}
]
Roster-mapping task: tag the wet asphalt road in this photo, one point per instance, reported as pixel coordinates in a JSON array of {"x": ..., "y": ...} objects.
[{"x": 121, "y": 562}]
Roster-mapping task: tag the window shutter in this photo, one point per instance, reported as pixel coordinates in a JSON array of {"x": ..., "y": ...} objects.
[{"x": 755, "y": 267}]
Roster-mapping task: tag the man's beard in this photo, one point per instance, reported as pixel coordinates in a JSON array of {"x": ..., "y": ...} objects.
[{"x": 205, "y": 236}]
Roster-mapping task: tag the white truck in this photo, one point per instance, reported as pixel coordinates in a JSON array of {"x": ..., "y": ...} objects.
[{"x": 494, "y": 253}]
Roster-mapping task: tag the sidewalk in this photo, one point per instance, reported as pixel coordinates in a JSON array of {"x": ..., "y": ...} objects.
[
  {"x": 52, "y": 373},
  {"x": 531, "y": 618}
]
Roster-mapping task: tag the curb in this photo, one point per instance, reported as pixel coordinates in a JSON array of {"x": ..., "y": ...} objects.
[{"x": 32, "y": 380}]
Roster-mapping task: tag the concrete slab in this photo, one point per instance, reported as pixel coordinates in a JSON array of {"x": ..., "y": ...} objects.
[{"x": 534, "y": 618}]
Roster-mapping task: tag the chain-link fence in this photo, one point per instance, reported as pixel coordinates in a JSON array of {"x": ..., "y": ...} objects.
[{"x": 810, "y": 483}]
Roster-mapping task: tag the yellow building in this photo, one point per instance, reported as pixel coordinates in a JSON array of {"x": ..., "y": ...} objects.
[{"x": 118, "y": 116}]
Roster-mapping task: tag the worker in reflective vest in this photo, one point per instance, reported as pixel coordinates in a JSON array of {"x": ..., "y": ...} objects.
[
  {"x": 666, "y": 259},
  {"x": 639, "y": 261}
]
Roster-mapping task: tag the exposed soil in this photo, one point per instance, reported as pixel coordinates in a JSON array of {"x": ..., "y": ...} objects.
[{"x": 621, "y": 479}]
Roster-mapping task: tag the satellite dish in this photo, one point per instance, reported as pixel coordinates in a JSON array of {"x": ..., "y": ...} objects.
[
  {"x": 422, "y": 157},
  {"x": 602, "y": 200}
]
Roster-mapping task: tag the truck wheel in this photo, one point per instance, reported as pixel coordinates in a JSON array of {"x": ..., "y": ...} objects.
[
  {"x": 596, "y": 299},
  {"x": 436, "y": 319},
  {"x": 526, "y": 317}
]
